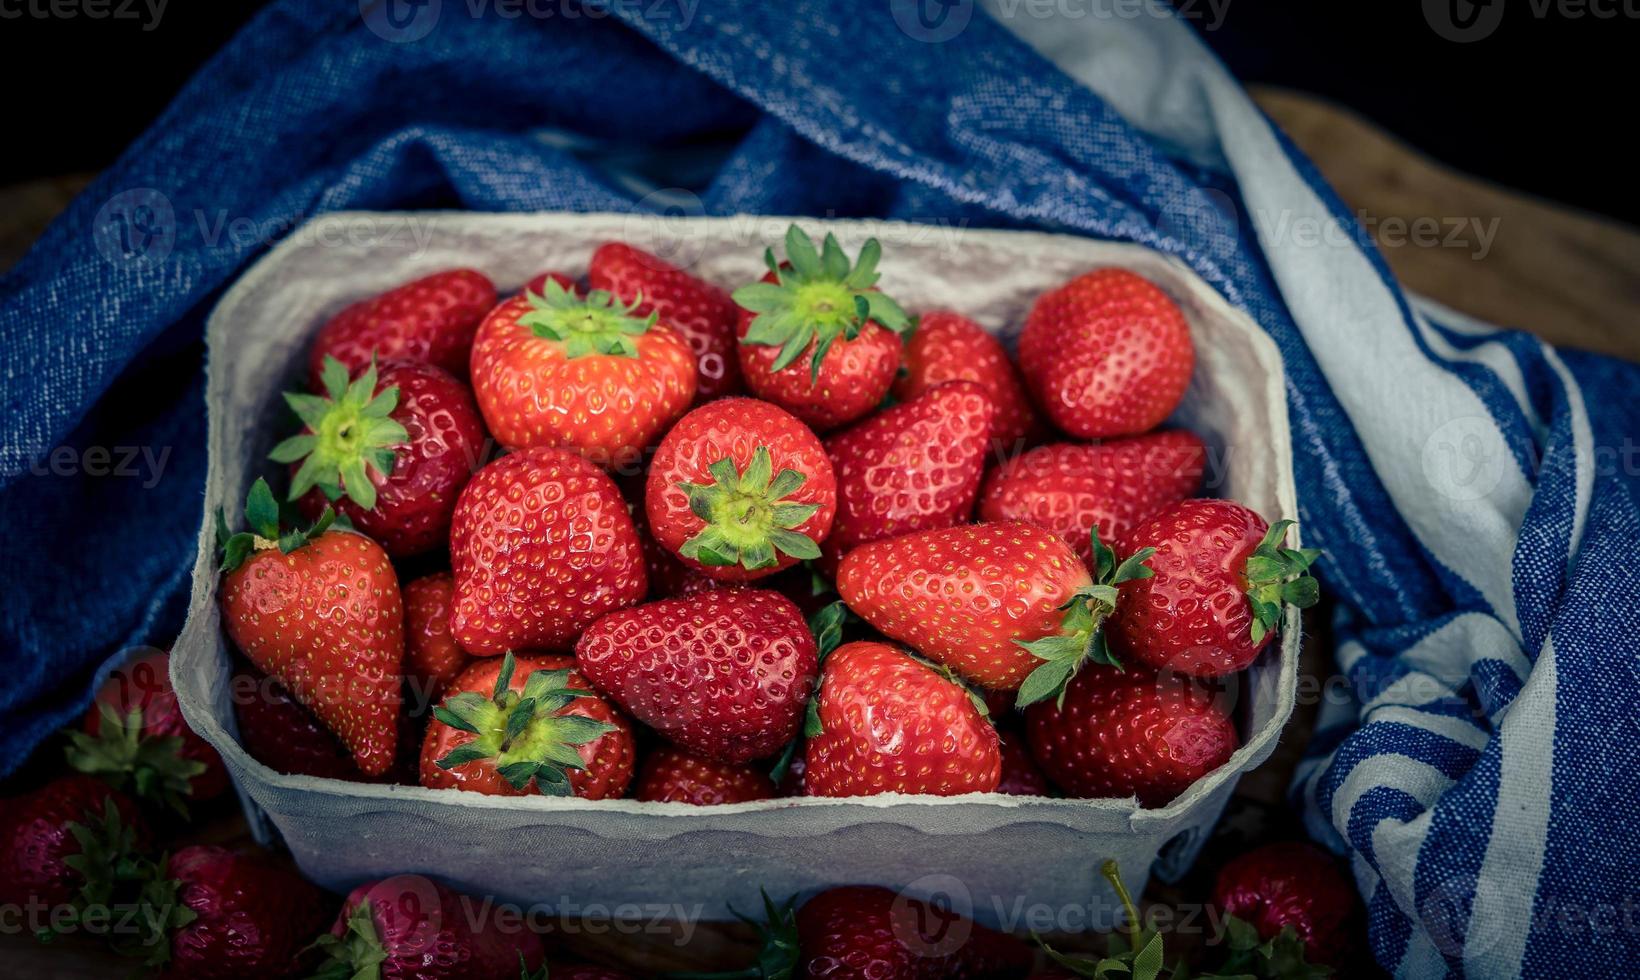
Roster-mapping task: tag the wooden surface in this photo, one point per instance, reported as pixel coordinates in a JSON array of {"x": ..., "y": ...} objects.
[{"x": 1573, "y": 278}]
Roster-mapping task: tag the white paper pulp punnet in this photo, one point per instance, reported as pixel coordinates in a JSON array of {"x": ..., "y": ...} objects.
[{"x": 999, "y": 857}]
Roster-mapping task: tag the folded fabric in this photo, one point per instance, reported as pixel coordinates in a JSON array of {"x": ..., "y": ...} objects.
[{"x": 1469, "y": 486}]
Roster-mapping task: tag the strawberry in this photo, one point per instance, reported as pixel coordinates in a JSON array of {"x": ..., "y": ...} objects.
[
  {"x": 1071, "y": 488},
  {"x": 134, "y": 736},
  {"x": 412, "y": 928},
  {"x": 724, "y": 674},
  {"x": 320, "y": 610},
  {"x": 889, "y": 723},
  {"x": 913, "y": 467},
  {"x": 948, "y": 346},
  {"x": 700, "y": 312},
  {"x": 230, "y": 916},
  {"x": 284, "y": 736},
  {"x": 816, "y": 337},
  {"x": 587, "y": 374},
  {"x": 430, "y": 320},
  {"x": 1008, "y": 606},
  {"x": 1130, "y": 733},
  {"x": 516, "y": 726},
  {"x": 1221, "y": 579},
  {"x": 64, "y": 844},
  {"x": 392, "y": 449},
  {"x": 1292, "y": 886},
  {"x": 668, "y": 575},
  {"x": 1106, "y": 354},
  {"x": 739, "y": 489},
  {"x": 432, "y": 657},
  {"x": 541, "y": 545},
  {"x": 538, "y": 284},
  {"x": 1020, "y": 774},
  {"x": 672, "y": 775}
]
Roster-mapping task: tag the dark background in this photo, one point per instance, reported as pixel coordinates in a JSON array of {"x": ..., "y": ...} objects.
[{"x": 1536, "y": 105}]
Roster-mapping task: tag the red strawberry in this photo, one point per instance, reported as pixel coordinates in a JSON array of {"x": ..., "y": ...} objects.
[
  {"x": 1020, "y": 774},
  {"x": 668, "y": 575},
  {"x": 541, "y": 545},
  {"x": 538, "y": 284},
  {"x": 739, "y": 489},
  {"x": 135, "y": 737},
  {"x": 1070, "y": 488},
  {"x": 947, "y": 346},
  {"x": 515, "y": 726},
  {"x": 586, "y": 374},
  {"x": 1221, "y": 580},
  {"x": 412, "y": 928},
  {"x": 889, "y": 723},
  {"x": 702, "y": 313},
  {"x": 1009, "y": 606},
  {"x": 392, "y": 450},
  {"x": 876, "y": 934},
  {"x": 432, "y": 657},
  {"x": 430, "y": 320},
  {"x": 1106, "y": 354},
  {"x": 251, "y": 917},
  {"x": 724, "y": 673},
  {"x": 672, "y": 775},
  {"x": 66, "y": 843},
  {"x": 284, "y": 736},
  {"x": 1293, "y": 885},
  {"x": 1130, "y": 733},
  {"x": 816, "y": 337},
  {"x": 913, "y": 467},
  {"x": 320, "y": 610}
]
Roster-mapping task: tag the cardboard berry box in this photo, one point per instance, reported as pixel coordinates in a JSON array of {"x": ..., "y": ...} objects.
[{"x": 994, "y": 855}]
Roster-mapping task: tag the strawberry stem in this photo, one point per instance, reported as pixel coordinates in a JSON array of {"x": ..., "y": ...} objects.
[
  {"x": 748, "y": 518},
  {"x": 597, "y": 323},
  {"x": 1277, "y": 575},
  {"x": 346, "y": 434}
]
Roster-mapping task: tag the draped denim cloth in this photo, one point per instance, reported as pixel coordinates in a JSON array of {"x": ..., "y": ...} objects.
[{"x": 1473, "y": 488}]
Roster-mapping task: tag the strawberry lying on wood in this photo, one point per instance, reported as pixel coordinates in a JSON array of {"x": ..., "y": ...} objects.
[
  {"x": 430, "y": 320},
  {"x": 703, "y": 314},
  {"x": 65, "y": 844},
  {"x": 409, "y": 926}
]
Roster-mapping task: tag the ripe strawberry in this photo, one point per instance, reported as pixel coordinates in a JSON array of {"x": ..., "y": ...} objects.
[
  {"x": 1221, "y": 579},
  {"x": 586, "y": 374},
  {"x": 724, "y": 674},
  {"x": 1106, "y": 354},
  {"x": 538, "y": 284},
  {"x": 412, "y": 928},
  {"x": 1292, "y": 885},
  {"x": 432, "y": 657},
  {"x": 816, "y": 337},
  {"x": 700, "y": 312},
  {"x": 739, "y": 489},
  {"x": 672, "y": 775},
  {"x": 541, "y": 545},
  {"x": 320, "y": 610},
  {"x": 430, "y": 320},
  {"x": 392, "y": 451},
  {"x": 284, "y": 736},
  {"x": 1020, "y": 774},
  {"x": 511, "y": 727},
  {"x": 1070, "y": 488},
  {"x": 1130, "y": 733},
  {"x": 889, "y": 723},
  {"x": 66, "y": 843},
  {"x": 1009, "y": 606},
  {"x": 948, "y": 346},
  {"x": 863, "y": 932},
  {"x": 250, "y": 917},
  {"x": 913, "y": 467},
  {"x": 134, "y": 736}
]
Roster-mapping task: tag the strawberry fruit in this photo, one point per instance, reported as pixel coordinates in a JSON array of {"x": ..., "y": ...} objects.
[
  {"x": 724, "y": 673},
  {"x": 701, "y": 313},
  {"x": 284, "y": 736},
  {"x": 946, "y": 346},
  {"x": 432, "y": 657},
  {"x": 67, "y": 842},
  {"x": 320, "y": 610},
  {"x": 1292, "y": 888},
  {"x": 430, "y": 320},
  {"x": 1106, "y": 354},
  {"x": 672, "y": 775},
  {"x": 409, "y": 926},
  {"x": 587, "y": 374},
  {"x": 541, "y": 545}
]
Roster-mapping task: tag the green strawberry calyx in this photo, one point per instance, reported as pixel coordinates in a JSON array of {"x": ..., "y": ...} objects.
[
  {"x": 1277, "y": 575},
  {"x": 817, "y": 297},
  {"x": 262, "y": 514},
  {"x": 349, "y": 431},
  {"x": 748, "y": 518},
  {"x": 827, "y": 626},
  {"x": 778, "y": 955},
  {"x": 117, "y": 879},
  {"x": 522, "y": 733},
  {"x": 597, "y": 323},
  {"x": 151, "y": 766},
  {"x": 357, "y": 952},
  {"x": 1081, "y": 637}
]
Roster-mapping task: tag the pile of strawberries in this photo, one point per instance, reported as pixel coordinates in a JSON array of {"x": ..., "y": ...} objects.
[{"x": 647, "y": 488}]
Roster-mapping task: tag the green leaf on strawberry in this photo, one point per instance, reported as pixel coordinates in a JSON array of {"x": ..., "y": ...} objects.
[
  {"x": 748, "y": 518},
  {"x": 816, "y": 298},
  {"x": 153, "y": 767},
  {"x": 1278, "y": 575},
  {"x": 1081, "y": 637},
  {"x": 597, "y": 323},
  {"x": 778, "y": 955},
  {"x": 347, "y": 433},
  {"x": 827, "y": 626},
  {"x": 358, "y": 952},
  {"x": 262, "y": 514}
]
